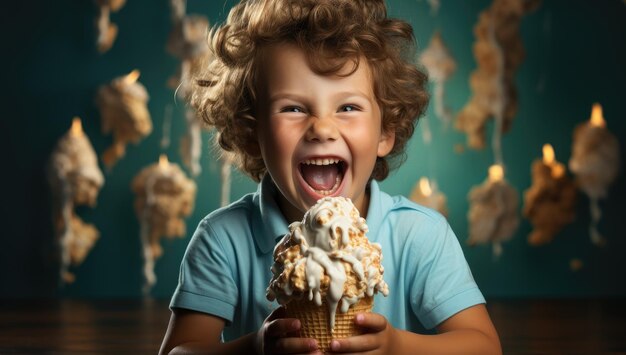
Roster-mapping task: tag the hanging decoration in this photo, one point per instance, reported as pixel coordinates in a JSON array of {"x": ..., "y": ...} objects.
[
  {"x": 426, "y": 194},
  {"x": 550, "y": 202},
  {"x": 188, "y": 42},
  {"x": 191, "y": 142},
  {"x": 440, "y": 65},
  {"x": 105, "y": 30},
  {"x": 164, "y": 197},
  {"x": 493, "y": 215},
  {"x": 167, "y": 127},
  {"x": 499, "y": 52},
  {"x": 124, "y": 113},
  {"x": 225, "y": 174},
  {"x": 595, "y": 161},
  {"x": 75, "y": 179}
]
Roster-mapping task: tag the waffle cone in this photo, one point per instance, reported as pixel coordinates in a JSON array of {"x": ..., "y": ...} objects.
[{"x": 315, "y": 320}]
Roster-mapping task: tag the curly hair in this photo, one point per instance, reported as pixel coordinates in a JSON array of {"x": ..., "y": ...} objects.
[{"x": 331, "y": 33}]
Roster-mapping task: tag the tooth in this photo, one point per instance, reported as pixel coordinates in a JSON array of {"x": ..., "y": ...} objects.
[{"x": 320, "y": 161}]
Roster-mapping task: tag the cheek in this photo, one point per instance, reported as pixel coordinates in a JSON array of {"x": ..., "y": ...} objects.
[
  {"x": 364, "y": 138},
  {"x": 280, "y": 143}
]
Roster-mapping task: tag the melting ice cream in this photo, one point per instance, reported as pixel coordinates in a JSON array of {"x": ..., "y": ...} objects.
[{"x": 327, "y": 255}]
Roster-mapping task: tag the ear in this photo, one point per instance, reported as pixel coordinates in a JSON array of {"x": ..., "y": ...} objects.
[{"x": 385, "y": 144}]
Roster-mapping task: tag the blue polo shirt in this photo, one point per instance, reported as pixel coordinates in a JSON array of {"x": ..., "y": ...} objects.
[{"x": 226, "y": 268}]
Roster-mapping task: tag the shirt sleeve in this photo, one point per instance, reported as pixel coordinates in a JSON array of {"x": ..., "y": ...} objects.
[
  {"x": 444, "y": 284},
  {"x": 205, "y": 282}
]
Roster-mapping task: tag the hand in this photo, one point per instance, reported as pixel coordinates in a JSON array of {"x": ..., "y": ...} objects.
[
  {"x": 279, "y": 335},
  {"x": 377, "y": 337}
]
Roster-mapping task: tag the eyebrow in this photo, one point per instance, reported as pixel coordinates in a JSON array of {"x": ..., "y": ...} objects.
[
  {"x": 297, "y": 97},
  {"x": 284, "y": 95}
]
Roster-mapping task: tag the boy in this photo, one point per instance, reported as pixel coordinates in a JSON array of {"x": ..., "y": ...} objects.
[{"x": 317, "y": 98}]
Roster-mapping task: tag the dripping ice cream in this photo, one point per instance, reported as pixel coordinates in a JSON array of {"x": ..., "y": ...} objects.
[{"x": 326, "y": 264}]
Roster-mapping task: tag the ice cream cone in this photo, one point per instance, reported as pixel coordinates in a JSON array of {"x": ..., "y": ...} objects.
[
  {"x": 328, "y": 258},
  {"x": 316, "y": 320}
]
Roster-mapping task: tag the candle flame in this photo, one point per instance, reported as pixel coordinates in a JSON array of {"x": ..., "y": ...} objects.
[
  {"x": 77, "y": 127},
  {"x": 496, "y": 173},
  {"x": 548, "y": 154},
  {"x": 425, "y": 186},
  {"x": 163, "y": 162},
  {"x": 556, "y": 169},
  {"x": 596, "y": 119},
  {"x": 132, "y": 77}
]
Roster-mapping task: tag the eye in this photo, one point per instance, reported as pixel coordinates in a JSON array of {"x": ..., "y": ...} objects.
[
  {"x": 295, "y": 109},
  {"x": 349, "y": 108}
]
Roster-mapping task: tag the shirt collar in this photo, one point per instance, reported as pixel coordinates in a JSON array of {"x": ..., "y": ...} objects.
[
  {"x": 377, "y": 205},
  {"x": 270, "y": 219}
]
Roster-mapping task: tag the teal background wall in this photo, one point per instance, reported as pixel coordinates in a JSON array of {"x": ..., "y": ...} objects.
[{"x": 575, "y": 55}]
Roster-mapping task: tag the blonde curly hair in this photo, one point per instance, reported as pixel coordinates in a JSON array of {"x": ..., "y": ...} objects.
[{"x": 331, "y": 33}]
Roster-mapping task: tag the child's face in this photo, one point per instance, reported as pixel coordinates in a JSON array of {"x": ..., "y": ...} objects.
[{"x": 318, "y": 135}]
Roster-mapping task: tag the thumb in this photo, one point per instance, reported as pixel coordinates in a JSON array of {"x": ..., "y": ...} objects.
[
  {"x": 276, "y": 314},
  {"x": 259, "y": 341}
]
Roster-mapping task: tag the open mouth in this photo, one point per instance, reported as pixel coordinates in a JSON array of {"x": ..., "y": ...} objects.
[{"x": 323, "y": 175}]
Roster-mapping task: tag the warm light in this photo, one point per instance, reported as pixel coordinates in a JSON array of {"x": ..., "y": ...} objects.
[
  {"x": 558, "y": 170},
  {"x": 77, "y": 127},
  {"x": 132, "y": 77},
  {"x": 496, "y": 173},
  {"x": 425, "y": 187},
  {"x": 163, "y": 162},
  {"x": 548, "y": 154},
  {"x": 596, "y": 116}
]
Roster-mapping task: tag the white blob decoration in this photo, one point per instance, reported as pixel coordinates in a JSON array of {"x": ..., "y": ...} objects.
[
  {"x": 595, "y": 162},
  {"x": 106, "y": 32},
  {"x": 493, "y": 216},
  {"x": 498, "y": 51},
  {"x": 75, "y": 179},
  {"x": 426, "y": 194},
  {"x": 188, "y": 42},
  {"x": 124, "y": 113},
  {"x": 226, "y": 176},
  {"x": 440, "y": 65},
  {"x": 164, "y": 196},
  {"x": 550, "y": 202}
]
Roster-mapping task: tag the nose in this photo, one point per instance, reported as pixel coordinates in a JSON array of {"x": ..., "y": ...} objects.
[{"x": 322, "y": 129}]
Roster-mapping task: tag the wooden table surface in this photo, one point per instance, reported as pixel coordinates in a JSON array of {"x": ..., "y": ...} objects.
[{"x": 137, "y": 326}]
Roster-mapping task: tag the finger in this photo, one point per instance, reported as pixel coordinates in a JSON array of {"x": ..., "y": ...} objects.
[
  {"x": 282, "y": 326},
  {"x": 371, "y": 322},
  {"x": 292, "y": 346},
  {"x": 355, "y": 344}
]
